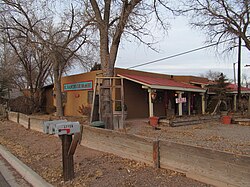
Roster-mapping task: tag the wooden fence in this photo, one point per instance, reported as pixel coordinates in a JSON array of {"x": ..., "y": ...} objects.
[
  {"x": 209, "y": 166},
  {"x": 121, "y": 144}
]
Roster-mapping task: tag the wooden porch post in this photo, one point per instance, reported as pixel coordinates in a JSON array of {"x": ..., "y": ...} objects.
[
  {"x": 235, "y": 102},
  {"x": 189, "y": 103},
  {"x": 248, "y": 111},
  {"x": 179, "y": 104},
  {"x": 150, "y": 103},
  {"x": 203, "y": 103}
]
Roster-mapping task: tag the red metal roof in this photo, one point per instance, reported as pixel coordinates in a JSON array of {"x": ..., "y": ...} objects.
[
  {"x": 234, "y": 87},
  {"x": 159, "y": 81}
]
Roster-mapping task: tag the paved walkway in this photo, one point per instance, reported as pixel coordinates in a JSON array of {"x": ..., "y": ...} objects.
[{"x": 9, "y": 177}]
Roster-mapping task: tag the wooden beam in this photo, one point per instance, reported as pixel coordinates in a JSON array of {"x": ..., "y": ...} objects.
[{"x": 74, "y": 143}]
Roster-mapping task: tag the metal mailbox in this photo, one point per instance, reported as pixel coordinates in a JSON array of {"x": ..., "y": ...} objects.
[
  {"x": 67, "y": 128},
  {"x": 49, "y": 126}
]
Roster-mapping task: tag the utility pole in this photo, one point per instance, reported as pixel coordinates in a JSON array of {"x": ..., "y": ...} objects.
[{"x": 239, "y": 74}]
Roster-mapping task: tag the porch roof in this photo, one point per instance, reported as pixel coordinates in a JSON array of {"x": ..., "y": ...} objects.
[
  {"x": 161, "y": 83},
  {"x": 234, "y": 89}
]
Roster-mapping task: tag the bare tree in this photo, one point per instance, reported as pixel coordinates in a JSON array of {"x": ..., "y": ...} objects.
[
  {"x": 221, "y": 19},
  {"x": 9, "y": 69},
  {"x": 34, "y": 63},
  {"x": 245, "y": 79},
  {"x": 119, "y": 19},
  {"x": 61, "y": 40},
  {"x": 211, "y": 75}
]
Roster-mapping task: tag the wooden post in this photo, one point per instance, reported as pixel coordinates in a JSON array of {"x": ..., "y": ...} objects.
[
  {"x": 189, "y": 103},
  {"x": 28, "y": 123},
  {"x": 180, "y": 103},
  {"x": 68, "y": 163},
  {"x": 18, "y": 116},
  {"x": 235, "y": 102},
  {"x": 74, "y": 143},
  {"x": 248, "y": 105},
  {"x": 156, "y": 154},
  {"x": 150, "y": 103},
  {"x": 203, "y": 103}
]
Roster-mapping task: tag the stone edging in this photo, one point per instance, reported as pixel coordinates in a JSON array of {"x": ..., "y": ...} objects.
[{"x": 28, "y": 174}]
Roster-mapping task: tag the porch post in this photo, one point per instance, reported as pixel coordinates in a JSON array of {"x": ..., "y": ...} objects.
[
  {"x": 203, "y": 103},
  {"x": 248, "y": 109},
  {"x": 189, "y": 103},
  {"x": 150, "y": 103},
  {"x": 179, "y": 104},
  {"x": 235, "y": 102}
]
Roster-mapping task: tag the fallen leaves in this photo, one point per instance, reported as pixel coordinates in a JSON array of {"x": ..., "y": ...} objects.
[{"x": 214, "y": 138}]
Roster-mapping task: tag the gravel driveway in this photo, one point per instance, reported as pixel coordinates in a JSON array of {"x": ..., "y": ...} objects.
[{"x": 214, "y": 135}]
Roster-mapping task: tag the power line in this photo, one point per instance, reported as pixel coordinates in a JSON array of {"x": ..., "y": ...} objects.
[{"x": 179, "y": 54}]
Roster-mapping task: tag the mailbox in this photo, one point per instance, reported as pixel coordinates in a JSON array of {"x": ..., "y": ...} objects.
[
  {"x": 49, "y": 126},
  {"x": 67, "y": 128}
]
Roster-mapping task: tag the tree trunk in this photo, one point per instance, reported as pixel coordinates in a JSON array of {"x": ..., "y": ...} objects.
[
  {"x": 108, "y": 71},
  {"x": 216, "y": 107},
  {"x": 57, "y": 86}
]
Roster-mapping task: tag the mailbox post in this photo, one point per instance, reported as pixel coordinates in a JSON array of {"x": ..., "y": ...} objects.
[
  {"x": 67, "y": 159},
  {"x": 65, "y": 130}
]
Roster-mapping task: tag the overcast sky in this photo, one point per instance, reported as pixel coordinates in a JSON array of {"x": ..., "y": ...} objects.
[{"x": 181, "y": 38}]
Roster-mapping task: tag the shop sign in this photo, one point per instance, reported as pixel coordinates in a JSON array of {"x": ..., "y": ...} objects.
[
  {"x": 87, "y": 85},
  {"x": 181, "y": 100}
]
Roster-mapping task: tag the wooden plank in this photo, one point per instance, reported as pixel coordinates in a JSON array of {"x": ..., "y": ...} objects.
[
  {"x": 119, "y": 143},
  {"x": 210, "y": 168},
  {"x": 208, "y": 153},
  {"x": 124, "y": 153},
  {"x": 12, "y": 116},
  {"x": 116, "y": 143},
  {"x": 215, "y": 167},
  {"x": 36, "y": 124},
  {"x": 23, "y": 120},
  {"x": 74, "y": 143}
]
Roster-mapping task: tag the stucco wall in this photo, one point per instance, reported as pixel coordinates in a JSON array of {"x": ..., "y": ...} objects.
[
  {"x": 75, "y": 99},
  {"x": 136, "y": 100}
]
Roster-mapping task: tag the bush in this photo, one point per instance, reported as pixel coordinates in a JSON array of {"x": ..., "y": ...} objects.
[{"x": 84, "y": 110}]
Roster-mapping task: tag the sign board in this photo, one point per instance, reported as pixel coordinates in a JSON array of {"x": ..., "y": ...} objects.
[
  {"x": 87, "y": 85},
  {"x": 181, "y": 100}
]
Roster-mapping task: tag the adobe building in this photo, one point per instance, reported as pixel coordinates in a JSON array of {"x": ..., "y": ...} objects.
[{"x": 145, "y": 94}]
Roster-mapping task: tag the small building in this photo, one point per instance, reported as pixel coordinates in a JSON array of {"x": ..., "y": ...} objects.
[
  {"x": 47, "y": 97},
  {"x": 145, "y": 94}
]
